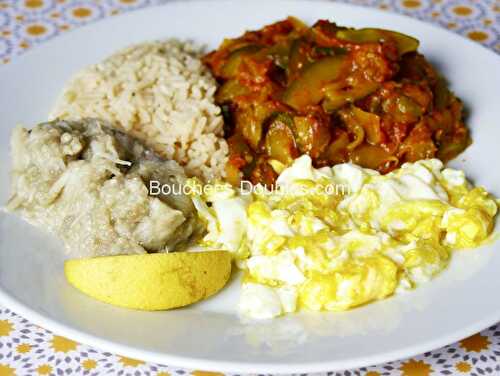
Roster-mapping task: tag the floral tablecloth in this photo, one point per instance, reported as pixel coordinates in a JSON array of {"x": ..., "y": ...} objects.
[{"x": 26, "y": 349}]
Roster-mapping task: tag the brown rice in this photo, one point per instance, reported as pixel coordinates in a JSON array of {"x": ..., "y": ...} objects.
[{"x": 159, "y": 92}]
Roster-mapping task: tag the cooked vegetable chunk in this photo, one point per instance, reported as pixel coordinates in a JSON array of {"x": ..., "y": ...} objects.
[{"x": 337, "y": 94}]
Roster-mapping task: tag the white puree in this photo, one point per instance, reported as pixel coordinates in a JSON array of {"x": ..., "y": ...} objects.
[{"x": 89, "y": 185}]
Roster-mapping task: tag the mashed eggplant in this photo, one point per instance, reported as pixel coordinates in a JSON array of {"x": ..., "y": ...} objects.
[{"x": 88, "y": 184}]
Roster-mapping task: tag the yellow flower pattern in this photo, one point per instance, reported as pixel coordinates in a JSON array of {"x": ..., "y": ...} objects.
[
  {"x": 6, "y": 370},
  {"x": 61, "y": 344},
  {"x": 205, "y": 373},
  {"x": 29, "y": 350},
  {"x": 5, "y": 328},
  {"x": 415, "y": 368},
  {"x": 475, "y": 343},
  {"x": 23, "y": 348},
  {"x": 129, "y": 362},
  {"x": 89, "y": 364},
  {"x": 44, "y": 369},
  {"x": 463, "y": 367}
]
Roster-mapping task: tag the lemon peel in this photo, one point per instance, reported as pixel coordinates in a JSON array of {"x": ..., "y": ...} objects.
[{"x": 152, "y": 281}]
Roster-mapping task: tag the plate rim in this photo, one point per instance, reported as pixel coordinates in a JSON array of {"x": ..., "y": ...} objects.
[
  {"x": 229, "y": 366},
  {"x": 12, "y": 303}
]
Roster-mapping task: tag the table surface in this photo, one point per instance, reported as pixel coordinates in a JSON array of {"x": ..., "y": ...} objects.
[{"x": 26, "y": 349}]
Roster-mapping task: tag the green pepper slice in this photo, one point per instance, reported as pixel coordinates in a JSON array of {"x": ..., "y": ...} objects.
[
  {"x": 355, "y": 118},
  {"x": 298, "y": 58},
  {"x": 229, "y": 91},
  {"x": 442, "y": 95},
  {"x": 279, "y": 53},
  {"x": 404, "y": 42},
  {"x": 250, "y": 120},
  {"x": 230, "y": 69},
  {"x": 312, "y": 134},
  {"x": 280, "y": 142},
  {"x": 308, "y": 88},
  {"x": 336, "y": 97}
]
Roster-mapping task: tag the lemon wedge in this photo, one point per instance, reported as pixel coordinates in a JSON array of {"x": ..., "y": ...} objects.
[{"x": 152, "y": 281}]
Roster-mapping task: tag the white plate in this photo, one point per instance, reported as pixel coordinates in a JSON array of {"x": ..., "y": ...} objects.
[{"x": 210, "y": 336}]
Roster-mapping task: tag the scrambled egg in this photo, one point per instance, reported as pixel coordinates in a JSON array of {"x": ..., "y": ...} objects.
[{"x": 336, "y": 238}]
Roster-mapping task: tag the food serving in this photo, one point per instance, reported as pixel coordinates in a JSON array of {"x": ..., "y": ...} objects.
[
  {"x": 312, "y": 158},
  {"x": 334, "y": 93},
  {"x": 335, "y": 238},
  {"x": 89, "y": 185},
  {"x": 159, "y": 92}
]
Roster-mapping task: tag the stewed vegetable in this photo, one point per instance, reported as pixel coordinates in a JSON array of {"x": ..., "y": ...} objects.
[{"x": 337, "y": 94}]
